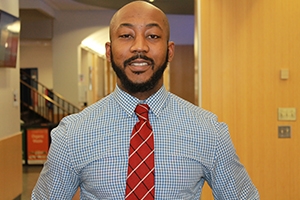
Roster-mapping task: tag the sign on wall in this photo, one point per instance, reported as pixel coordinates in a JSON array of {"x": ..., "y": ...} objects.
[{"x": 37, "y": 145}]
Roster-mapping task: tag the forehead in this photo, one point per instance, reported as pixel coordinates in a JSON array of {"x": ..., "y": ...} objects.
[{"x": 139, "y": 16}]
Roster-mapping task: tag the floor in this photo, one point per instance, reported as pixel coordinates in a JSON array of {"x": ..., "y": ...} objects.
[{"x": 30, "y": 176}]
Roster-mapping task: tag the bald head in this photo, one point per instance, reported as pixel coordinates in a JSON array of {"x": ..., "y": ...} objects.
[
  {"x": 143, "y": 11},
  {"x": 139, "y": 49}
]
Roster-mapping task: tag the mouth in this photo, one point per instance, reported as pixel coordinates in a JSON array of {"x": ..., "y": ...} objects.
[
  {"x": 139, "y": 66},
  {"x": 139, "y": 63}
]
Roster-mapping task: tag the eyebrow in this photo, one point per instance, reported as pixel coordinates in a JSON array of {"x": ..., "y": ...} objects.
[{"x": 150, "y": 25}]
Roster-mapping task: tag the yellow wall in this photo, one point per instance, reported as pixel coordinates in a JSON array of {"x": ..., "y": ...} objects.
[
  {"x": 11, "y": 166},
  {"x": 245, "y": 43}
]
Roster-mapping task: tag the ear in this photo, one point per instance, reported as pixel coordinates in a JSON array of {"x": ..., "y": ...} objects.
[
  {"x": 108, "y": 51},
  {"x": 171, "y": 48}
]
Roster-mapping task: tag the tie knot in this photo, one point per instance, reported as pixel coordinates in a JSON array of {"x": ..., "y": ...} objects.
[{"x": 141, "y": 111}]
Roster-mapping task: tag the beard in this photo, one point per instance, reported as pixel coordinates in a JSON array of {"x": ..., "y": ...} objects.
[{"x": 133, "y": 87}]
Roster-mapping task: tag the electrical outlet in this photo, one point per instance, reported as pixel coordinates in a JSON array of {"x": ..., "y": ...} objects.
[
  {"x": 284, "y": 132},
  {"x": 287, "y": 114}
]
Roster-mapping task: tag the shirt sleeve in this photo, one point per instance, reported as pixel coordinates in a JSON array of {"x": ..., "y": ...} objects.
[
  {"x": 57, "y": 179},
  {"x": 229, "y": 179}
]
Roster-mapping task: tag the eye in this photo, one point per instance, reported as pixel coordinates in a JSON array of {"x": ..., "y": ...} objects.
[
  {"x": 153, "y": 36},
  {"x": 125, "y": 36}
]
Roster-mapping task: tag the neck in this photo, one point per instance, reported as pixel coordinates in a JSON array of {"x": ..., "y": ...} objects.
[{"x": 142, "y": 95}]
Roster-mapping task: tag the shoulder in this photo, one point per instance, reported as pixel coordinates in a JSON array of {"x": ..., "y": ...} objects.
[
  {"x": 197, "y": 118},
  {"x": 89, "y": 112},
  {"x": 78, "y": 125},
  {"x": 179, "y": 104}
]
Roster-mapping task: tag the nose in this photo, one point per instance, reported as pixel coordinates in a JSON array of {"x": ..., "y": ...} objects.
[{"x": 139, "y": 45}]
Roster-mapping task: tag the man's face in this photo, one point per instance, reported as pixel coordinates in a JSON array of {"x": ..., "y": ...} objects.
[{"x": 139, "y": 50}]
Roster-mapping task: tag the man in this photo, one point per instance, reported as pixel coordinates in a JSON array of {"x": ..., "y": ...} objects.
[{"x": 187, "y": 146}]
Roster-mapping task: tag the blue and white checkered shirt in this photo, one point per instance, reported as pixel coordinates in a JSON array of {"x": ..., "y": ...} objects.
[{"x": 90, "y": 150}]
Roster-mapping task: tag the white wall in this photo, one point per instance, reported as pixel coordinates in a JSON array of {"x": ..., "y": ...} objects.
[
  {"x": 38, "y": 54},
  {"x": 10, "y": 6},
  {"x": 70, "y": 28},
  {"x": 9, "y": 84}
]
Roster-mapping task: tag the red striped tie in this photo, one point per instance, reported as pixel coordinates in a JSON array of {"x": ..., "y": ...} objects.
[{"x": 140, "y": 176}]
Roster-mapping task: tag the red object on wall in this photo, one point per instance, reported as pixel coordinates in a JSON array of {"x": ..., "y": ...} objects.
[{"x": 37, "y": 145}]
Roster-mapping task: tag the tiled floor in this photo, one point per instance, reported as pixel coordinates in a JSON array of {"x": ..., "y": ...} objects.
[{"x": 30, "y": 176}]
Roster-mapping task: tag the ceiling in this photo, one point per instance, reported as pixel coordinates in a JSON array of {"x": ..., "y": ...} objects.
[
  {"x": 168, "y": 6},
  {"x": 30, "y": 11},
  {"x": 70, "y": 5}
]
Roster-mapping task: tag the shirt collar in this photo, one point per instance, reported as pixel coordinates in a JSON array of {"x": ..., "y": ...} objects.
[{"x": 156, "y": 101}]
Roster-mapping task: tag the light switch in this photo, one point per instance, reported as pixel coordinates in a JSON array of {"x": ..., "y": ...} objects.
[
  {"x": 284, "y": 74},
  {"x": 287, "y": 114}
]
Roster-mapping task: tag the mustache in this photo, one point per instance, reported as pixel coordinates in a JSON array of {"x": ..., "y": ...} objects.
[{"x": 137, "y": 56}]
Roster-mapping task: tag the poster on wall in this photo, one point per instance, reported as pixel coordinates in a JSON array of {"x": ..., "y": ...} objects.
[{"x": 37, "y": 145}]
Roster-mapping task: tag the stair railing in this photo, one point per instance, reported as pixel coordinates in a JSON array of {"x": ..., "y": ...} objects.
[{"x": 50, "y": 105}]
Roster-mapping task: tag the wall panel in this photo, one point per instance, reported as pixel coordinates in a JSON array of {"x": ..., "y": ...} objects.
[
  {"x": 245, "y": 43},
  {"x": 182, "y": 72},
  {"x": 11, "y": 166}
]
